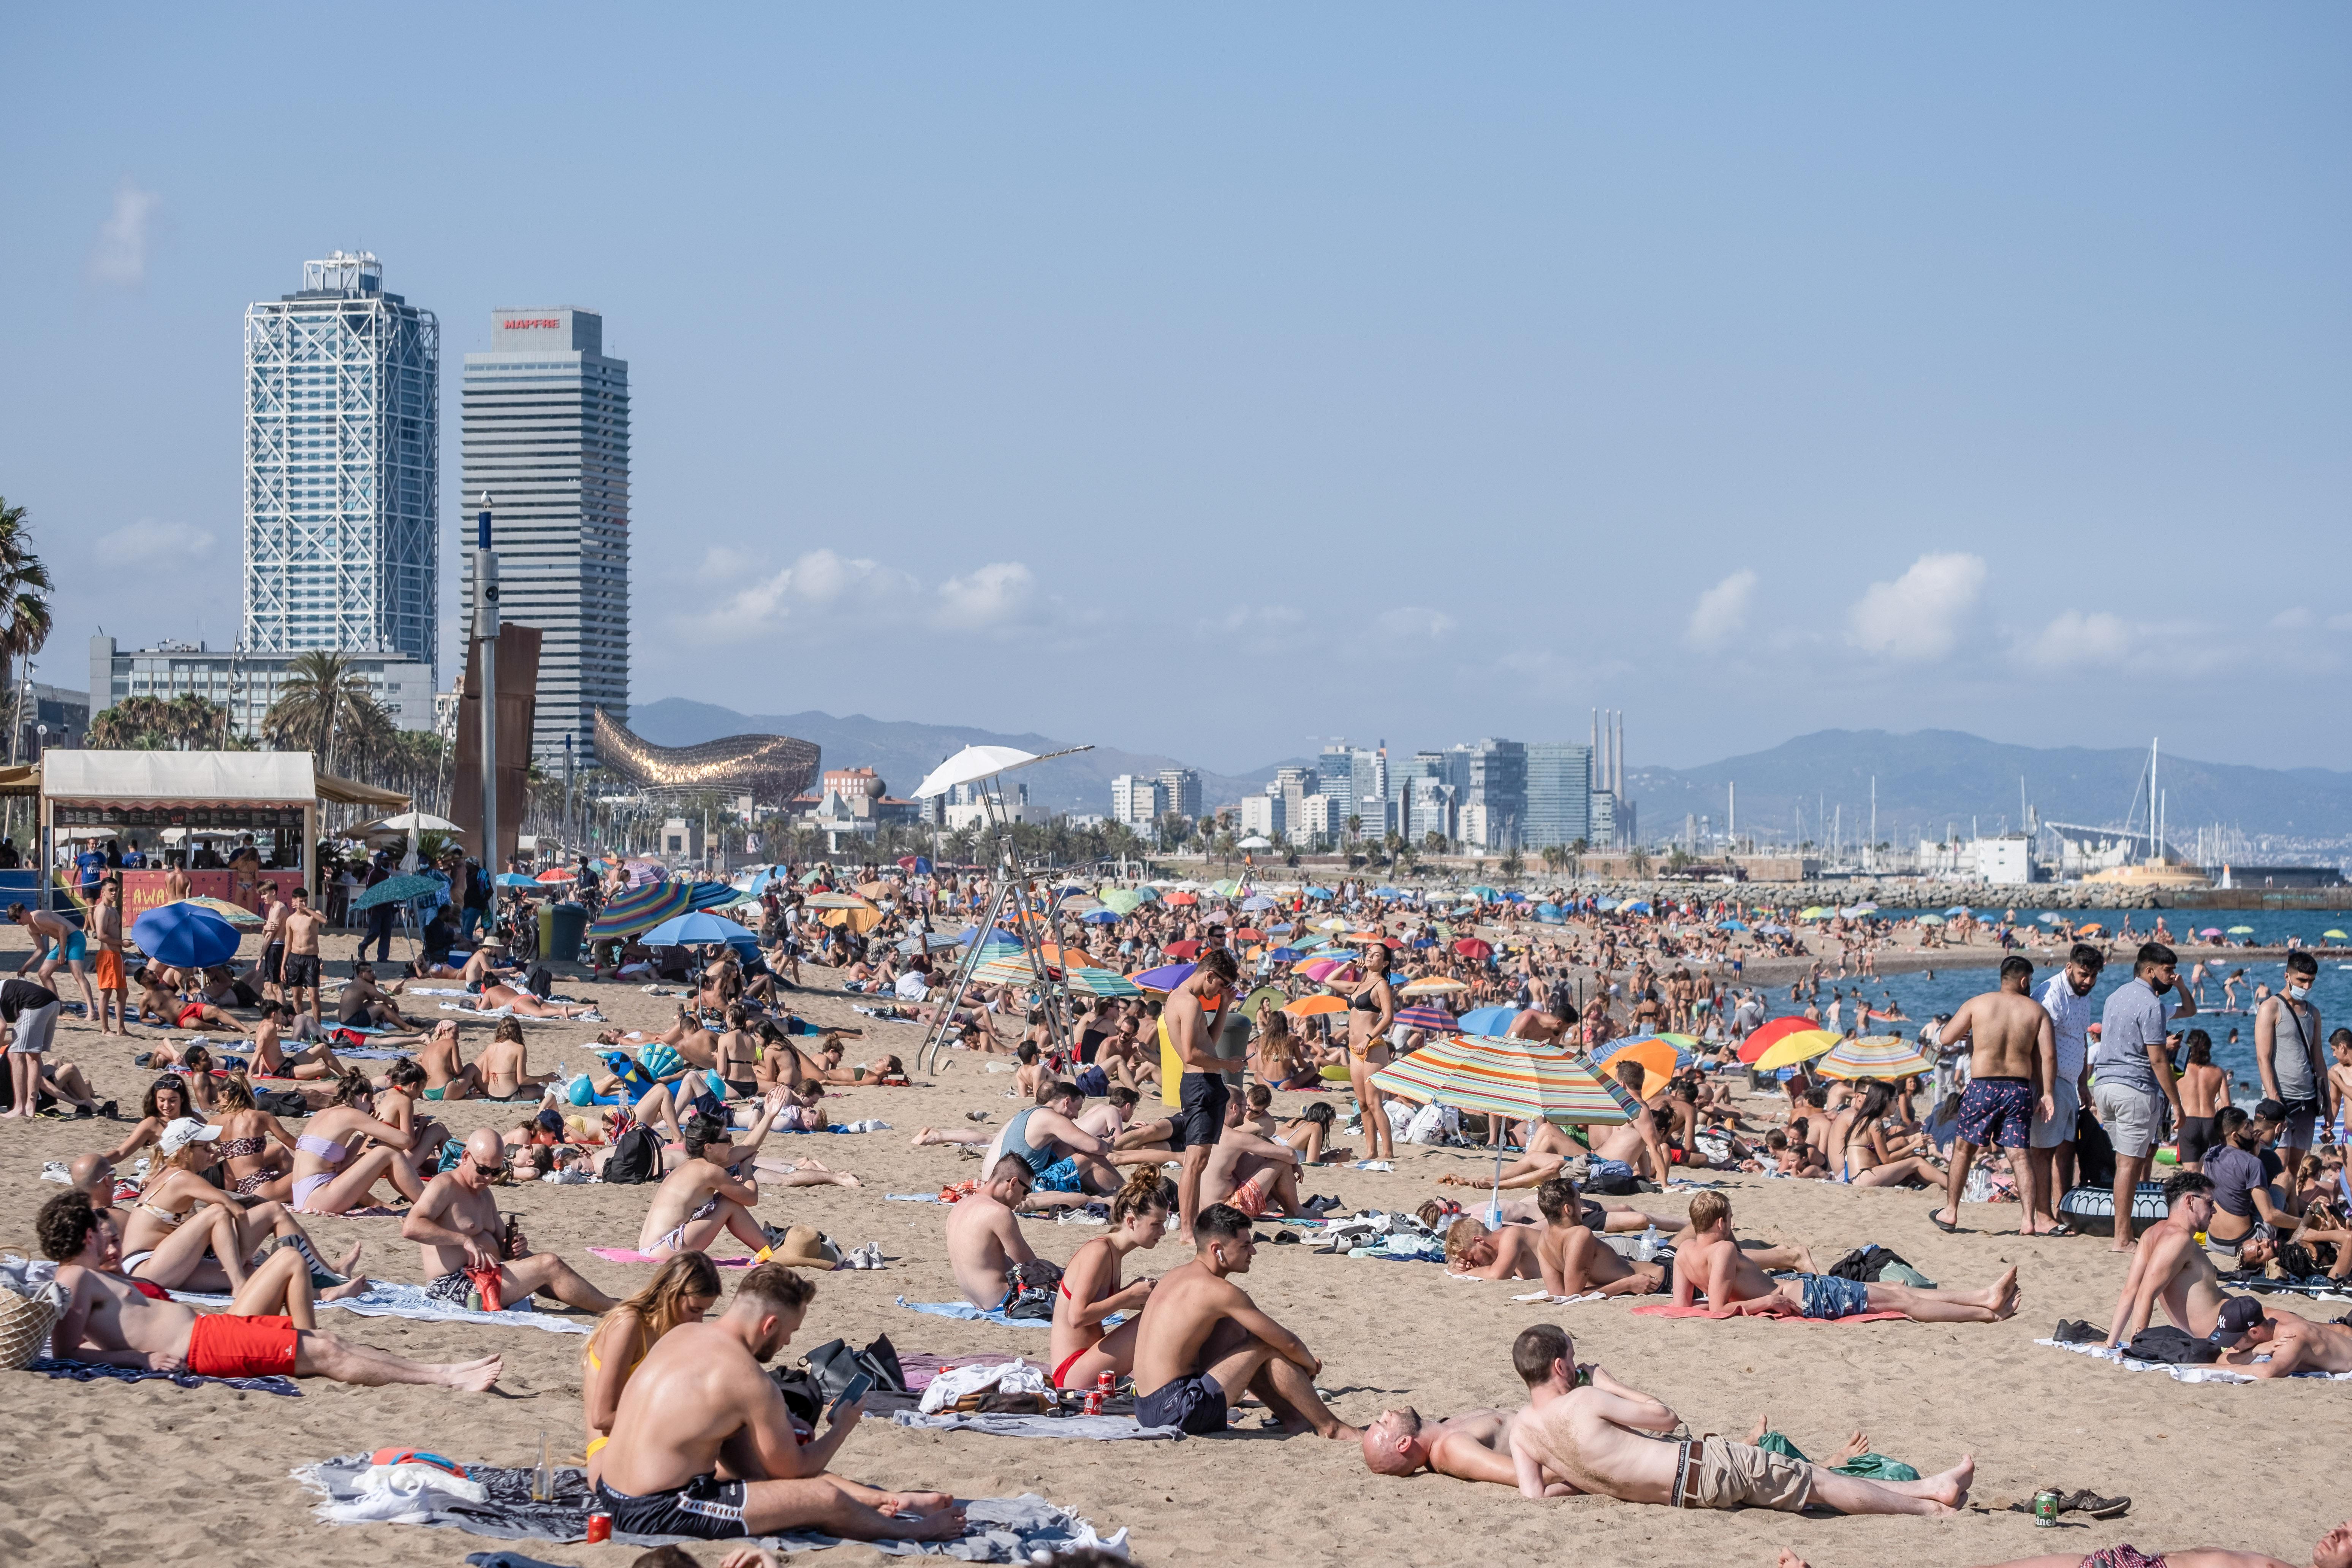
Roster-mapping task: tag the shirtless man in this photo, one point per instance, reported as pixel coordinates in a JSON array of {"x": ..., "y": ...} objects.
[
  {"x": 2014, "y": 1062},
  {"x": 1707, "y": 1259},
  {"x": 1586, "y": 1429},
  {"x": 1575, "y": 1261},
  {"x": 704, "y": 1195},
  {"x": 56, "y": 941},
  {"x": 270, "y": 969},
  {"x": 701, "y": 1399},
  {"x": 1254, "y": 1174},
  {"x": 2295, "y": 1342},
  {"x": 456, "y": 1227},
  {"x": 1640, "y": 1144},
  {"x": 106, "y": 931},
  {"x": 1474, "y": 1445},
  {"x": 362, "y": 1003},
  {"x": 1185, "y": 1033},
  {"x": 1534, "y": 1023},
  {"x": 269, "y": 1330},
  {"x": 300, "y": 969},
  {"x": 1201, "y": 1342},
  {"x": 984, "y": 1240},
  {"x": 2170, "y": 1267}
]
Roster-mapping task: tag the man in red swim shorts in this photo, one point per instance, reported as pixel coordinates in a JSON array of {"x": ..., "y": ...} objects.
[{"x": 116, "y": 1321}]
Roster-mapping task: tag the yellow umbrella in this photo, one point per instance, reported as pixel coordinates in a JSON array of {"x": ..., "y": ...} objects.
[{"x": 1802, "y": 1046}]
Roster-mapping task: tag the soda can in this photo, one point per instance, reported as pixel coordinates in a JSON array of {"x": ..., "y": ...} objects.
[
  {"x": 600, "y": 1527},
  {"x": 2045, "y": 1510},
  {"x": 1104, "y": 1384},
  {"x": 1093, "y": 1402}
]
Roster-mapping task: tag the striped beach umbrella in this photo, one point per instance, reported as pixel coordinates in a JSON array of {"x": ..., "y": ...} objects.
[
  {"x": 1520, "y": 1080},
  {"x": 1877, "y": 1056},
  {"x": 1014, "y": 969},
  {"x": 1429, "y": 1019},
  {"x": 641, "y": 909},
  {"x": 1431, "y": 986},
  {"x": 839, "y": 901},
  {"x": 1102, "y": 983}
]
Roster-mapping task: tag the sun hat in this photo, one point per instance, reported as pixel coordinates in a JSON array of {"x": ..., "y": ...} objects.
[{"x": 184, "y": 1132}]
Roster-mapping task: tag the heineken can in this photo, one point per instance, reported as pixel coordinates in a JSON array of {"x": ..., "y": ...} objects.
[{"x": 2045, "y": 1510}]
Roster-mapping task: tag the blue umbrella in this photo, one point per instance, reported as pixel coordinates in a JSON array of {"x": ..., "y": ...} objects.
[
  {"x": 1729, "y": 925},
  {"x": 1635, "y": 906},
  {"x": 398, "y": 890},
  {"x": 1605, "y": 905},
  {"x": 1958, "y": 910},
  {"x": 715, "y": 895},
  {"x": 1487, "y": 1020},
  {"x": 1287, "y": 954},
  {"x": 937, "y": 939},
  {"x": 1257, "y": 902},
  {"x": 185, "y": 936},
  {"x": 1772, "y": 930},
  {"x": 693, "y": 928},
  {"x": 517, "y": 879},
  {"x": 1101, "y": 918}
]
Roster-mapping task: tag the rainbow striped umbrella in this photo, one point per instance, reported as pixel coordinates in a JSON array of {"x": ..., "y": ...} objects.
[
  {"x": 1876, "y": 1056},
  {"x": 1429, "y": 1019},
  {"x": 1088, "y": 982},
  {"x": 1010, "y": 969},
  {"x": 641, "y": 909},
  {"x": 1495, "y": 1076}
]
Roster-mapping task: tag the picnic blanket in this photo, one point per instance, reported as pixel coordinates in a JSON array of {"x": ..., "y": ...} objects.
[
  {"x": 384, "y": 1298},
  {"x": 2182, "y": 1374},
  {"x": 355, "y": 1491},
  {"x": 1101, "y": 1428},
  {"x": 590, "y": 1016},
  {"x": 971, "y": 1314},
  {"x": 630, "y": 1255},
  {"x": 91, "y": 1372},
  {"x": 1667, "y": 1309},
  {"x": 1547, "y": 1297}
]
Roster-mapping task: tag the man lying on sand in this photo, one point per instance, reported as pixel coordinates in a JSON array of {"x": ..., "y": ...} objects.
[
  {"x": 2264, "y": 1346},
  {"x": 1584, "y": 1426},
  {"x": 1708, "y": 1260},
  {"x": 458, "y": 1230},
  {"x": 268, "y": 1331},
  {"x": 2333, "y": 1551},
  {"x": 1201, "y": 1342},
  {"x": 1474, "y": 1445},
  {"x": 701, "y": 1397}
]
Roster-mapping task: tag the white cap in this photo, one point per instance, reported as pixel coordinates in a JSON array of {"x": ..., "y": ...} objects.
[{"x": 182, "y": 1131}]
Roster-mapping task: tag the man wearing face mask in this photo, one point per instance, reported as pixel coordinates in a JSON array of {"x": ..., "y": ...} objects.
[
  {"x": 2066, "y": 997},
  {"x": 2132, "y": 1070},
  {"x": 2286, "y": 1047}
]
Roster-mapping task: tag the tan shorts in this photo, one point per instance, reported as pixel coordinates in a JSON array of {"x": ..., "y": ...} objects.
[{"x": 1717, "y": 1473}]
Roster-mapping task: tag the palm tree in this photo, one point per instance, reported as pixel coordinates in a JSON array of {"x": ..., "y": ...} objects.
[
  {"x": 322, "y": 697},
  {"x": 24, "y": 598}
]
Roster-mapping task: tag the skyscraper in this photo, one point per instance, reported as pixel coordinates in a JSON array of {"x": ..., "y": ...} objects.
[
  {"x": 1180, "y": 791},
  {"x": 547, "y": 435},
  {"x": 343, "y": 432},
  {"x": 1498, "y": 787},
  {"x": 1559, "y": 794}
]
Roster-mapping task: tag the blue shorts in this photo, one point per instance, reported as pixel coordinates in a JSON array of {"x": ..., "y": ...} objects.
[
  {"x": 1827, "y": 1295},
  {"x": 1093, "y": 1083},
  {"x": 1061, "y": 1176},
  {"x": 76, "y": 948},
  {"x": 1997, "y": 1112},
  {"x": 1191, "y": 1403}
]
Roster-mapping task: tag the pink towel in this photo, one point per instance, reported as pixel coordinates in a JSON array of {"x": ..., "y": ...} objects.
[
  {"x": 628, "y": 1255},
  {"x": 1670, "y": 1311}
]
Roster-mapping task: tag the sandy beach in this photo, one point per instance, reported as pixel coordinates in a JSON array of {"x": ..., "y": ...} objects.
[{"x": 109, "y": 1473}]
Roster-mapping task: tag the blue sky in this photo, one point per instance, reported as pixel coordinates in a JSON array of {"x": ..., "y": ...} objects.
[{"x": 1213, "y": 380}]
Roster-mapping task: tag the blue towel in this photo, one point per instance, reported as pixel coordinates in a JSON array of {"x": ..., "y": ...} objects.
[
  {"x": 88, "y": 1371},
  {"x": 971, "y": 1314}
]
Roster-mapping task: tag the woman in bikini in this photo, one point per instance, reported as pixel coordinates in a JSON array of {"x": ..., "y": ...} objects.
[
  {"x": 1278, "y": 1062},
  {"x": 737, "y": 1053},
  {"x": 166, "y": 1101},
  {"x": 252, "y": 1171},
  {"x": 1371, "y": 1009},
  {"x": 682, "y": 1289},
  {"x": 1309, "y": 1132},
  {"x": 398, "y": 1104},
  {"x": 1858, "y": 1146},
  {"x": 185, "y": 1234},
  {"x": 333, "y": 1172},
  {"x": 1090, "y": 1289}
]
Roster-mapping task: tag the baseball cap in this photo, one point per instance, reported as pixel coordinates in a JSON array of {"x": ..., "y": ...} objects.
[
  {"x": 184, "y": 1132},
  {"x": 2270, "y": 1111},
  {"x": 2238, "y": 1313}
]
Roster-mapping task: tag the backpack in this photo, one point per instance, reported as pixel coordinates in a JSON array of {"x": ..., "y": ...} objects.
[
  {"x": 636, "y": 1157},
  {"x": 541, "y": 983},
  {"x": 281, "y": 1102},
  {"x": 1864, "y": 1264},
  {"x": 1033, "y": 1290},
  {"x": 2094, "y": 1156}
]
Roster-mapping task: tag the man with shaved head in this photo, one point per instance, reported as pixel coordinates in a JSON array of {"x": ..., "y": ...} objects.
[{"x": 458, "y": 1230}]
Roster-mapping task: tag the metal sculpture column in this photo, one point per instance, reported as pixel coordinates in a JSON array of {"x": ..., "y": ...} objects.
[{"x": 486, "y": 643}]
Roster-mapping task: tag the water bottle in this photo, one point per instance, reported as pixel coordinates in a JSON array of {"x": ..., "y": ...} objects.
[
  {"x": 1647, "y": 1248},
  {"x": 543, "y": 1478}
]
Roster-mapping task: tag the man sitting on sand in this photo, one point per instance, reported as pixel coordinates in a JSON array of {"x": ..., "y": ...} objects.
[
  {"x": 2168, "y": 1266},
  {"x": 2292, "y": 1342},
  {"x": 702, "y": 1398},
  {"x": 1575, "y": 1261},
  {"x": 1201, "y": 1342},
  {"x": 1474, "y": 1445},
  {"x": 1707, "y": 1259},
  {"x": 704, "y": 1195},
  {"x": 458, "y": 1230},
  {"x": 984, "y": 1240},
  {"x": 1254, "y": 1174},
  {"x": 1584, "y": 1426},
  {"x": 269, "y": 1328}
]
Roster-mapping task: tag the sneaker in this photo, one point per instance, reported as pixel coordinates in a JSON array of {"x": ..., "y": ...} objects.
[{"x": 2097, "y": 1507}]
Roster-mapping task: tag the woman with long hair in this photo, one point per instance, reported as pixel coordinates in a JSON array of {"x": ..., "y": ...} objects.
[
  {"x": 334, "y": 1174},
  {"x": 1090, "y": 1290},
  {"x": 1371, "y": 1009},
  {"x": 682, "y": 1289},
  {"x": 252, "y": 1171},
  {"x": 166, "y": 1101}
]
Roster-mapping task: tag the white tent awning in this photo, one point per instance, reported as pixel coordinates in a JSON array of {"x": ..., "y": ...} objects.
[{"x": 180, "y": 778}]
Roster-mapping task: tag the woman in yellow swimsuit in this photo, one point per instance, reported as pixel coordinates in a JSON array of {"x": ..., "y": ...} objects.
[{"x": 682, "y": 1289}]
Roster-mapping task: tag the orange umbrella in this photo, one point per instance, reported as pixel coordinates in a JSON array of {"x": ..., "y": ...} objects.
[
  {"x": 1183, "y": 897},
  {"x": 1311, "y": 1007},
  {"x": 1657, "y": 1056}
]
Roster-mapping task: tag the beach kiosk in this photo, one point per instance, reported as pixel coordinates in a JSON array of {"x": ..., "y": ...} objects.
[{"x": 234, "y": 819}]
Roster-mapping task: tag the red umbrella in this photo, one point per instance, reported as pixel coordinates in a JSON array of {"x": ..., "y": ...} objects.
[
  {"x": 1249, "y": 933},
  {"x": 1772, "y": 1034},
  {"x": 1471, "y": 947},
  {"x": 1183, "y": 899},
  {"x": 1182, "y": 949}
]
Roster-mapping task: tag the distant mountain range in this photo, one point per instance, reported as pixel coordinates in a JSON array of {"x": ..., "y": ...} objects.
[{"x": 1926, "y": 779}]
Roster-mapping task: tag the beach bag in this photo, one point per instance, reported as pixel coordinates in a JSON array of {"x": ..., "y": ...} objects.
[
  {"x": 833, "y": 1364},
  {"x": 1431, "y": 1125},
  {"x": 2172, "y": 1347},
  {"x": 281, "y": 1102},
  {"x": 2091, "y": 1210},
  {"x": 1867, "y": 1264},
  {"x": 636, "y": 1158},
  {"x": 2094, "y": 1156},
  {"x": 1033, "y": 1291},
  {"x": 542, "y": 983},
  {"x": 25, "y": 1325}
]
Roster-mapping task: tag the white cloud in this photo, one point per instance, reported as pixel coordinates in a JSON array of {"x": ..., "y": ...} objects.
[
  {"x": 1411, "y": 621},
  {"x": 119, "y": 254},
  {"x": 1255, "y": 622},
  {"x": 1721, "y": 613},
  {"x": 147, "y": 544},
  {"x": 1000, "y": 593},
  {"x": 2294, "y": 618},
  {"x": 1920, "y": 614},
  {"x": 820, "y": 585},
  {"x": 2073, "y": 639}
]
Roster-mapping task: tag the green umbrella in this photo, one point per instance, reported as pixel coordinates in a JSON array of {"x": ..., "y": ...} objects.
[
  {"x": 2242, "y": 931},
  {"x": 396, "y": 890}
]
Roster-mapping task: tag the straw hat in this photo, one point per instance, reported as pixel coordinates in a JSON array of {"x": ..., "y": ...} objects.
[{"x": 803, "y": 1248}]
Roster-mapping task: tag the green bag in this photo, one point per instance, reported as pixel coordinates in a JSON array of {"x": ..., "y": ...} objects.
[{"x": 1868, "y": 1467}]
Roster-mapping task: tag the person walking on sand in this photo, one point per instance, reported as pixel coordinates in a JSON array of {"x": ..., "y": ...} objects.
[{"x": 2009, "y": 1070}]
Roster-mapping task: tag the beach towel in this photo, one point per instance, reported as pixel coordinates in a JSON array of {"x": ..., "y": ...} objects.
[
  {"x": 1550, "y": 1299},
  {"x": 630, "y": 1255},
  {"x": 1001, "y": 1530},
  {"x": 971, "y": 1314},
  {"x": 590, "y": 1016},
  {"x": 384, "y": 1298},
  {"x": 90, "y": 1372},
  {"x": 894, "y": 1198},
  {"x": 2206, "y": 1374},
  {"x": 1669, "y": 1311},
  {"x": 1101, "y": 1428}
]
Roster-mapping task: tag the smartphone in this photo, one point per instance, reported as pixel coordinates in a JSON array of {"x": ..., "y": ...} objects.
[{"x": 857, "y": 1390}]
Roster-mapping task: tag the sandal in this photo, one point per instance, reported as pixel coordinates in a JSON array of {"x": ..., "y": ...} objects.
[{"x": 1936, "y": 1218}]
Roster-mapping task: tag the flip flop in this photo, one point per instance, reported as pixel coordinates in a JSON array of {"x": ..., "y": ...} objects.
[
  {"x": 1936, "y": 1218},
  {"x": 2062, "y": 1228}
]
